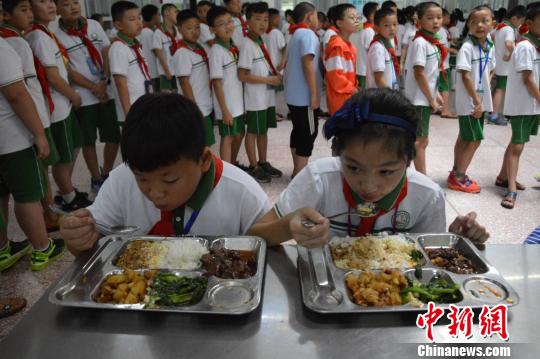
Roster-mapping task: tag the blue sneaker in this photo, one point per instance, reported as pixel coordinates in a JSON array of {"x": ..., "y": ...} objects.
[{"x": 497, "y": 119}]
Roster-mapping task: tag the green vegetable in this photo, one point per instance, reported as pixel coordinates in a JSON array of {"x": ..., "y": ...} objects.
[
  {"x": 416, "y": 255},
  {"x": 438, "y": 290},
  {"x": 171, "y": 290}
]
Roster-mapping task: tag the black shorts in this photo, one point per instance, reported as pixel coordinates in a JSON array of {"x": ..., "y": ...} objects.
[{"x": 301, "y": 138}]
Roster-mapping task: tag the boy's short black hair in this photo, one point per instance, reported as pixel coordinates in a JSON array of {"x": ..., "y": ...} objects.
[
  {"x": 518, "y": 11},
  {"x": 166, "y": 7},
  {"x": 385, "y": 102},
  {"x": 381, "y": 14},
  {"x": 10, "y": 5},
  {"x": 322, "y": 17},
  {"x": 214, "y": 13},
  {"x": 119, "y": 8},
  {"x": 148, "y": 12},
  {"x": 388, "y": 4},
  {"x": 273, "y": 12},
  {"x": 204, "y": 3},
  {"x": 288, "y": 12},
  {"x": 185, "y": 15},
  {"x": 338, "y": 12},
  {"x": 96, "y": 17},
  {"x": 369, "y": 9},
  {"x": 423, "y": 7},
  {"x": 301, "y": 10},
  {"x": 533, "y": 12},
  {"x": 161, "y": 129},
  {"x": 256, "y": 8},
  {"x": 245, "y": 5}
]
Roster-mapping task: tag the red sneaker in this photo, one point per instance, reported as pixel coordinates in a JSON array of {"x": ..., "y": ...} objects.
[{"x": 464, "y": 184}]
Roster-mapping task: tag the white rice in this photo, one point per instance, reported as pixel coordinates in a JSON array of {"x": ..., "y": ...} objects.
[{"x": 182, "y": 254}]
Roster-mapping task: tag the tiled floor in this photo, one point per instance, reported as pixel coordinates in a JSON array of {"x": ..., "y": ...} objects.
[{"x": 505, "y": 226}]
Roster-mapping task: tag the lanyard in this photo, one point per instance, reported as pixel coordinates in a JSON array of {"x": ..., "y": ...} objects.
[
  {"x": 187, "y": 227},
  {"x": 482, "y": 67}
]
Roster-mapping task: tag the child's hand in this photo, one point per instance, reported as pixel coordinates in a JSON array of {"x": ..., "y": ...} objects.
[
  {"x": 315, "y": 236},
  {"x": 478, "y": 110},
  {"x": 467, "y": 226},
  {"x": 314, "y": 102},
  {"x": 434, "y": 105},
  {"x": 274, "y": 80},
  {"x": 168, "y": 75},
  {"x": 76, "y": 100},
  {"x": 227, "y": 118},
  {"x": 100, "y": 89},
  {"x": 78, "y": 230},
  {"x": 42, "y": 147}
]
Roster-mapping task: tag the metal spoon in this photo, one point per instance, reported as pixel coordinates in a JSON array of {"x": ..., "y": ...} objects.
[
  {"x": 101, "y": 227},
  {"x": 367, "y": 210}
]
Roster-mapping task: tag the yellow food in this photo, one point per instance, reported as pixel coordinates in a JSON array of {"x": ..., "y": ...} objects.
[
  {"x": 126, "y": 288},
  {"x": 377, "y": 288},
  {"x": 141, "y": 254}
]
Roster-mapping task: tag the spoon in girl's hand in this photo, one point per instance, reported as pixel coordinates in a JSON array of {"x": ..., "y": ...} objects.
[
  {"x": 362, "y": 210},
  {"x": 101, "y": 227}
]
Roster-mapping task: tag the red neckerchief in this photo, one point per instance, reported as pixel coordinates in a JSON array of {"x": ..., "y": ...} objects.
[
  {"x": 199, "y": 50},
  {"x": 367, "y": 223},
  {"x": 83, "y": 35},
  {"x": 40, "y": 69},
  {"x": 61, "y": 47},
  {"x": 368, "y": 25},
  {"x": 388, "y": 46},
  {"x": 265, "y": 52},
  {"x": 165, "y": 225},
  {"x": 334, "y": 29},
  {"x": 443, "y": 50},
  {"x": 500, "y": 26},
  {"x": 136, "y": 47},
  {"x": 527, "y": 37},
  {"x": 523, "y": 29},
  {"x": 269, "y": 30},
  {"x": 243, "y": 23},
  {"x": 233, "y": 49},
  {"x": 294, "y": 27},
  {"x": 172, "y": 36}
]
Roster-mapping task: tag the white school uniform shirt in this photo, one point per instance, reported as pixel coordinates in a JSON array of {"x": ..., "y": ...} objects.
[
  {"x": 454, "y": 33},
  {"x": 223, "y": 66},
  {"x": 364, "y": 40},
  {"x": 257, "y": 97},
  {"x": 13, "y": 134},
  {"x": 408, "y": 34},
  {"x": 206, "y": 35},
  {"x": 48, "y": 53},
  {"x": 186, "y": 62},
  {"x": 123, "y": 61},
  {"x": 120, "y": 202},
  {"x": 325, "y": 39},
  {"x": 163, "y": 42},
  {"x": 399, "y": 35},
  {"x": 469, "y": 59},
  {"x": 445, "y": 34},
  {"x": 79, "y": 58},
  {"x": 21, "y": 47},
  {"x": 275, "y": 42},
  {"x": 421, "y": 53},
  {"x": 380, "y": 60},
  {"x": 146, "y": 38},
  {"x": 238, "y": 34},
  {"x": 319, "y": 186},
  {"x": 518, "y": 100},
  {"x": 503, "y": 35}
]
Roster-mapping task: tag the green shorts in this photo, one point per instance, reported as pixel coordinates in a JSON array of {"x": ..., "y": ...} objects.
[
  {"x": 523, "y": 127},
  {"x": 165, "y": 84},
  {"x": 445, "y": 81},
  {"x": 257, "y": 121},
  {"x": 67, "y": 137},
  {"x": 271, "y": 117},
  {"x": 155, "y": 84},
  {"x": 237, "y": 128},
  {"x": 22, "y": 176},
  {"x": 53, "y": 157},
  {"x": 452, "y": 60},
  {"x": 471, "y": 129},
  {"x": 3, "y": 224},
  {"x": 209, "y": 137},
  {"x": 501, "y": 82},
  {"x": 361, "y": 81},
  {"x": 424, "y": 114},
  {"x": 100, "y": 117}
]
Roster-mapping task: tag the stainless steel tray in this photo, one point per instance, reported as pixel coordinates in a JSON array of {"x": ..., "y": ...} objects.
[
  {"x": 324, "y": 289},
  {"x": 223, "y": 296}
]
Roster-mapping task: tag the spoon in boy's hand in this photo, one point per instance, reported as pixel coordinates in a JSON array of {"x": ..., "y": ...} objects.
[
  {"x": 101, "y": 227},
  {"x": 362, "y": 210}
]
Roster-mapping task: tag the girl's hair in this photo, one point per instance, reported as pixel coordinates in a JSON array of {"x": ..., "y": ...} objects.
[
  {"x": 380, "y": 101},
  {"x": 459, "y": 14},
  {"x": 500, "y": 14},
  {"x": 471, "y": 14},
  {"x": 409, "y": 12},
  {"x": 423, "y": 7},
  {"x": 401, "y": 18},
  {"x": 338, "y": 12}
]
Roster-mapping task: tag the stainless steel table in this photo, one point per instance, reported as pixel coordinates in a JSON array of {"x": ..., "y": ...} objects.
[{"x": 281, "y": 328}]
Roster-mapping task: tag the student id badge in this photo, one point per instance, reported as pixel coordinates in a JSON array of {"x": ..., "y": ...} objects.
[
  {"x": 148, "y": 86},
  {"x": 93, "y": 69}
]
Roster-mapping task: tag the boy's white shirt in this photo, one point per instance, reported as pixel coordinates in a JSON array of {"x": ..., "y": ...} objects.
[
  {"x": 325, "y": 39},
  {"x": 444, "y": 34},
  {"x": 408, "y": 34},
  {"x": 206, "y": 35},
  {"x": 223, "y": 66},
  {"x": 399, "y": 35},
  {"x": 13, "y": 134},
  {"x": 319, "y": 186},
  {"x": 454, "y": 32},
  {"x": 364, "y": 40},
  {"x": 518, "y": 101},
  {"x": 380, "y": 60},
  {"x": 146, "y": 38},
  {"x": 121, "y": 202},
  {"x": 503, "y": 35},
  {"x": 238, "y": 34},
  {"x": 79, "y": 58},
  {"x": 421, "y": 53},
  {"x": 163, "y": 43},
  {"x": 48, "y": 53},
  {"x": 275, "y": 43},
  {"x": 123, "y": 61},
  {"x": 22, "y": 48},
  {"x": 257, "y": 97},
  {"x": 185, "y": 62},
  {"x": 468, "y": 59}
]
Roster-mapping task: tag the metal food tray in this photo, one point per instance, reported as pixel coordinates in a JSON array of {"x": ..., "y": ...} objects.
[
  {"x": 223, "y": 296},
  {"x": 324, "y": 289}
]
